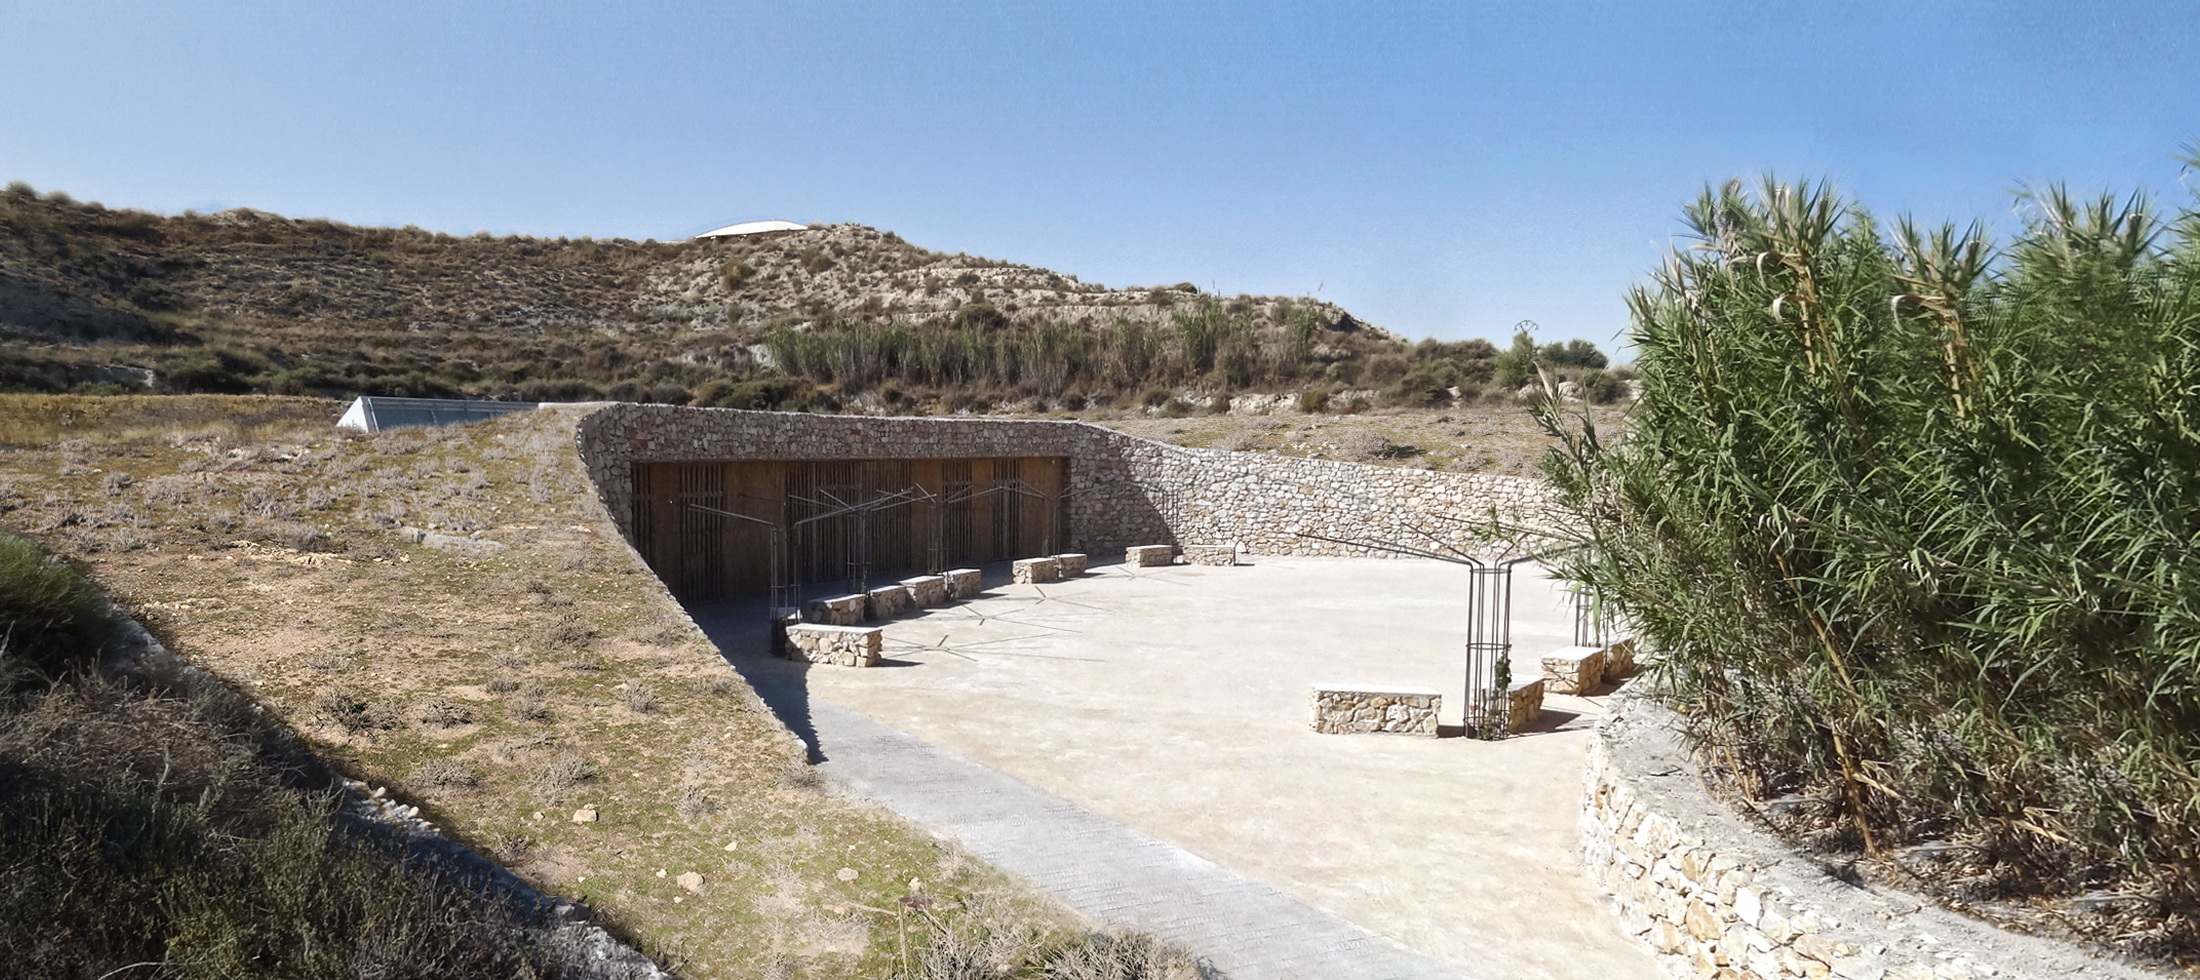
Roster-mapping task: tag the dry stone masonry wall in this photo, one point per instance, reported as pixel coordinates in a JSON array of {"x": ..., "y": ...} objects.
[
  {"x": 1123, "y": 491},
  {"x": 1719, "y": 899},
  {"x": 1346, "y": 709},
  {"x": 843, "y": 646}
]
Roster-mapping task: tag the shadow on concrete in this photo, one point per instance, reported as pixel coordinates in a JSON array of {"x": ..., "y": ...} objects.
[{"x": 740, "y": 629}]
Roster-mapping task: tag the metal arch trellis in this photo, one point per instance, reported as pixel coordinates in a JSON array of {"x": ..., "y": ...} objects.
[
  {"x": 858, "y": 560},
  {"x": 784, "y": 573},
  {"x": 1015, "y": 486}
]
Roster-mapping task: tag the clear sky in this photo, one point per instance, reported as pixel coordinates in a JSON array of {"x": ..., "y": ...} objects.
[{"x": 1442, "y": 169}]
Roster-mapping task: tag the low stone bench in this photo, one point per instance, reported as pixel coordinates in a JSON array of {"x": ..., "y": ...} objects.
[
  {"x": 840, "y": 610},
  {"x": 926, "y": 591},
  {"x": 1031, "y": 571},
  {"x": 964, "y": 583},
  {"x": 1619, "y": 659},
  {"x": 1210, "y": 554},
  {"x": 783, "y": 617},
  {"x": 889, "y": 601},
  {"x": 845, "y": 646},
  {"x": 1350, "y": 709},
  {"x": 1573, "y": 670},
  {"x": 1523, "y": 704},
  {"x": 1149, "y": 555},
  {"x": 1071, "y": 565}
]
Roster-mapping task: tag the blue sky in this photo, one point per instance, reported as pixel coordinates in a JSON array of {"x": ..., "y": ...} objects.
[{"x": 1440, "y": 169}]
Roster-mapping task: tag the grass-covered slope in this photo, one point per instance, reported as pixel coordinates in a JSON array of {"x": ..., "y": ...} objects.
[
  {"x": 151, "y": 823},
  {"x": 506, "y": 665}
]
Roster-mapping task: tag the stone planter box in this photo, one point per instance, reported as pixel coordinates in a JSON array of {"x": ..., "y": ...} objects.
[
  {"x": 1573, "y": 670},
  {"x": 845, "y": 646},
  {"x": 1350, "y": 709},
  {"x": 840, "y": 610},
  {"x": 1210, "y": 554},
  {"x": 1149, "y": 555},
  {"x": 926, "y": 591},
  {"x": 1031, "y": 571},
  {"x": 889, "y": 601},
  {"x": 964, "y": 583},
  {"x": 1071, "y": 565}
]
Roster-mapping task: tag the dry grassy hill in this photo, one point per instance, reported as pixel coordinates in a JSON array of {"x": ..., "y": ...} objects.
[{"x": 102, "y": 300}]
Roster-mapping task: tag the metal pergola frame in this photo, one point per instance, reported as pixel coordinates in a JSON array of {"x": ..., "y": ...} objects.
[{"x": 785, "y": 572}]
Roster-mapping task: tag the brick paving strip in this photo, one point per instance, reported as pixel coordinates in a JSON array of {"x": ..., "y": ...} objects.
[{"x": 1102, "y": 868}]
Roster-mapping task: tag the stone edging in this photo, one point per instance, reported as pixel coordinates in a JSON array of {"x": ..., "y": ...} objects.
[{"x": 1719, "y": 899}]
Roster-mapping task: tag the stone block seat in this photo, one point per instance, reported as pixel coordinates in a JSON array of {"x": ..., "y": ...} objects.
[
  {"x": 1619, "y": 659},
  {"x": 1070, "y": 565},
  {"x": 1149, "y": 555},
  {"x": 1210, "y": 554},
  {"x": 844, "y": 646},
  {"x": 839, "y": 610},
  {"x": 1523, "y": 704},
  {"x": 889, "y": 601},
  {"x": 1032, "y": 571},
  {"x": 964, "y": 583},
  {"x": 783, "y": 617},
  {"x": 1345, "y": 709},
  {"x": 926, "y": 591},
  {"x": 1573, "y": 670}
]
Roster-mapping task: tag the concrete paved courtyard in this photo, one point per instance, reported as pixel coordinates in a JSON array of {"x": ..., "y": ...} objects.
[{"x": 1173, "y": 701}]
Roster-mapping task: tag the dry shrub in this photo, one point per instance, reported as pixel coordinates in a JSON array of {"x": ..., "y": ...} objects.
[
  {"x": 566, "y": 632},
  {"x": 716, "y": 686},
  {"x": 445, "y": 772},
  {"x": 1363, "y": 445},
  {"x": 501, "y": 684},
  {"x": 1238, "y": 442},
  {"x": 349, "y": 711},
  {"x": 694, "y": 804},
  {"x": 800, "y": 775},
  {"x": 438, "y": 712},
  {"x": 563, "y": 773},
  {"x": 531, "y": 702},
  {"x": 642, "y": 700}
]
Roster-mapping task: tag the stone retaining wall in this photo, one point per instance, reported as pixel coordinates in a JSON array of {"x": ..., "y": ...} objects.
[
  {"x": 1122, "y": 490},
  {"x": 1349, "y": 709},
  {"x": 844, "y": 646},
  {"x": 1719, "y": 898}
]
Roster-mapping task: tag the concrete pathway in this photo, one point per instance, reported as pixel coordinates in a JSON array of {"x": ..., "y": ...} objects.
[
  {"x": 1103, "y": 869},
  {"x": 1135, "y": 741}
]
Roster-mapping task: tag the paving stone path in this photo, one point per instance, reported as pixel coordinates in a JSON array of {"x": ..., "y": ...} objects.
[{"x": 1104, "y": 869}]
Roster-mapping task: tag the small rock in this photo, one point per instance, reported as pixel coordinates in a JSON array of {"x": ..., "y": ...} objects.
[
  {"x": 845, "y": 874},
  {"x": 660, "y": 872},
  {"x": 586, "y": 814},
  {"x": 691, "y": 881},
  {"x": 733, "y": 845}
]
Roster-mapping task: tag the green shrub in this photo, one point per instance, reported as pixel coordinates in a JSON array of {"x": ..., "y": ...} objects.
[
  {"x": 1913, "y": 527},
  {"x": 150, "y": 880},
  {"x": 53, "y": 620}
]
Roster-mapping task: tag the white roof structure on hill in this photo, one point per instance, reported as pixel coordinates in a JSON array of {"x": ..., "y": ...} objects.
[
  {"x": 751, "y": 228},
  {"x": 374, "y": 413}
]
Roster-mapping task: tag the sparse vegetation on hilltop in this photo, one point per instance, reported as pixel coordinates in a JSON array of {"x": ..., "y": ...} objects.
[{"x": 102, "y": 301}]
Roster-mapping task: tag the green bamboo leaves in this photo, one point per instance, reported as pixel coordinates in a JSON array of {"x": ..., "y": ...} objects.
[{"x": 1916, "y": 521}]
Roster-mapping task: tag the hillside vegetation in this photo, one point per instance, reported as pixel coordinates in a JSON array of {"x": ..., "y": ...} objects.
[
  {"x": 1912, "y": 520},
  {"x": 449, "y": 615},
  {"x": 158, "y": 821},
  {"x": 832, "y": 317}
]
